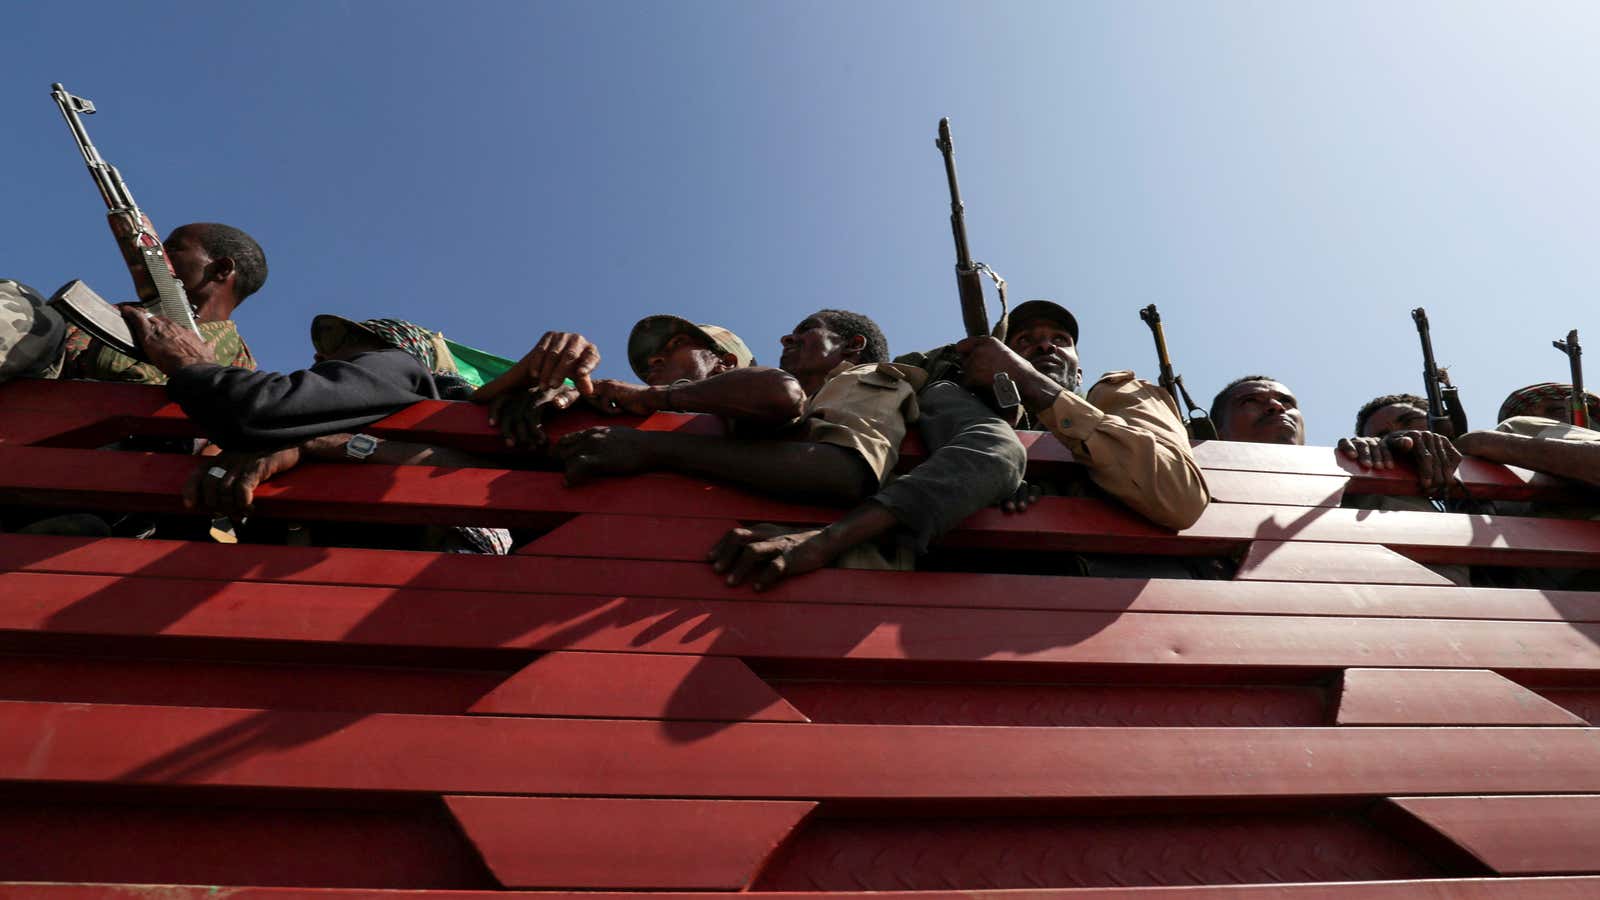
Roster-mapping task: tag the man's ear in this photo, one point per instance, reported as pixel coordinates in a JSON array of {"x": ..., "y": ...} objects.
[
  {"x": 221, "y": 269},
  {"x": 726, "y": 362},
  {"x": 855, "y": 345}
]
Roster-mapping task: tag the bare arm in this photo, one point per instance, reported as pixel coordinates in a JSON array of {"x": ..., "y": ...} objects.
[
  {"x": 800, "y": 469},
  {"x": 756, "y": 394},
  {"x": 1578, "y": 460}
]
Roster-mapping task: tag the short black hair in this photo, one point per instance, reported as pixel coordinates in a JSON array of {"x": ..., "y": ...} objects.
[
  {"x": 848, "y": 324},
  {"x": 249, "y": 262},
  {"x": 1377, "y": 403},
  {"x": 1217, "y": 417}
]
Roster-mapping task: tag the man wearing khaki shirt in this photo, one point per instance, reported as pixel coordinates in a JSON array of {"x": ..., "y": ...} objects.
[
  {"x": 830, "y": 433},
  {"x": 1127, "y": 435}
]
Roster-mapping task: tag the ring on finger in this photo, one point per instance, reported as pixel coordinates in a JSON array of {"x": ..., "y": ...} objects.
[{"x": 217, "y": 472}]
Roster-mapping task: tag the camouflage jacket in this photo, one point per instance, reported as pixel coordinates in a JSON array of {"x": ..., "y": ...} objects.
[{"x": 91, "y": 359}]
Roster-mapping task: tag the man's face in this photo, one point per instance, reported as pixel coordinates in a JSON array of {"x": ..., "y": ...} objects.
[
  {"x": 189, "y": 259},
  {"x": 1048, "y": 346},
  {"x": 1262, "y": 412},
  {"x": 812, "y": 348},
  {"x": 1395, "y": 417},
  {"x": 684, "y": 357}
]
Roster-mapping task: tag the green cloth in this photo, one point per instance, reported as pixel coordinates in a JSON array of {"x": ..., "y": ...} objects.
[{"x": 477, "y": 366}]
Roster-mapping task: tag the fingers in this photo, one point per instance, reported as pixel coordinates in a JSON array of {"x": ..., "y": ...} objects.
[
  {"x": 1359, "y": 449},
  {"x": 752, "y": 558},
  {"x": 967, "y": 345},
  {"x": 138, "y": 322},
  {"x": 776, "y": 569},
  {"x": 545, "y": 353},
  {"x": 580, "y": 469},
  {"x": 587, "y": 361},
  {"x": 568, "y": 356},
  {"x": 1021, "y": 498},
  {"x": 727, "y": 548}
]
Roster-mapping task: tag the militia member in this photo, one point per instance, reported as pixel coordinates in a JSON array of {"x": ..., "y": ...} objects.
[
  {"x": 1127, "y": 434},
  {"x": 825, "y": 426}
]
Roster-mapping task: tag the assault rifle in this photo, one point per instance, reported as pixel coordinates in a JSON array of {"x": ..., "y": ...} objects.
[
  {"x": 154, "y": 279},
  {"x": 1579, "y": 404},
  {"x": 1197, "y": 422},
  {"x": 969, "y": 274},
  {"x": 1445, "y": 413}
]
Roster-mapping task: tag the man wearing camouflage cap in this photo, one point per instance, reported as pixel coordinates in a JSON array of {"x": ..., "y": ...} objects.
[
  {"x": 827, "y": 425},
  {"x": 226, "y": 484},
  {"x": 1536, "y": 432},
  {"x": 358, "y": 378}
]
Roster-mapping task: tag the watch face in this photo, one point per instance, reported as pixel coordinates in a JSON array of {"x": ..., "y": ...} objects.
[{"x": 361, "y": 446}]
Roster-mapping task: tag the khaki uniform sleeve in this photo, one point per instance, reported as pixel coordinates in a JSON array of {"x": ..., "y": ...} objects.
[
  {"x": 866, "y": 409},
  {"x": 1547, "y": 429},
  {"x": 1129, "y": 436}
]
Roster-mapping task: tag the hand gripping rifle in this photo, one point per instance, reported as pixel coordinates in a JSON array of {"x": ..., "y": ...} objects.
[
  {"x": 1445, "y": 413},
  {"x": 1579, "y": 404},
  {"x": 154, "y": 279},
  {"x": 1197, "y": 422},
  {"x": 969, "y": 274}
]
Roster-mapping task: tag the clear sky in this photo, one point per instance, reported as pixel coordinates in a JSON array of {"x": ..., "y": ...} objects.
[{"x": 1286, "y": 180}]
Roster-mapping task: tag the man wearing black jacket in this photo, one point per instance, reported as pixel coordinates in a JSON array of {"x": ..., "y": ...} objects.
[{"x": 351, "y": 385}]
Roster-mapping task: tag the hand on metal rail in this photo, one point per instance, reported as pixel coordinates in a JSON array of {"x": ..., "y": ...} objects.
[{"x": 559, "y": 355}]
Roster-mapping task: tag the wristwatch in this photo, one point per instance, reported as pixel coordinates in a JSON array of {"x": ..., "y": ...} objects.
[{"x": 360, "y": 446}]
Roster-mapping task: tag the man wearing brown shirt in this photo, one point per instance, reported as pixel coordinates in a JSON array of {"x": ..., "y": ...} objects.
[{"x": 1127, "y": 434}]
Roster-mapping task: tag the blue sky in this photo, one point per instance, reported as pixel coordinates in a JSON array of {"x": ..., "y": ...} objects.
[{"x": 1285, "y": 180}]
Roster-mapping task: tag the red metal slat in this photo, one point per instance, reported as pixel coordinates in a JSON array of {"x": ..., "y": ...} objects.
[
  {"x": 1275, "y": 489},
  {"x": 492, "y": 496},
  {"x": 1172, "y": 705},
  {"x": 656, "y": 537},
  {"x": 1570, "y": 888},
  {"x": 591, "y": 842},
  {"x": 177, "y": 682},
  {"x": 1087, "y": 851},
  {"x": 464, "y": 425},
  {"x": 65, "y": 604},
  {"x": 1338, "y": 563},
  {"x": 68, "y": 604},
  {"x": 1442, "y": 697},
  {"x": 413, "y": 846},
  {"x": 392, "y": 568},
  {"x": 638, "y": 686},
  {"x": 51, "y": 742},
  {"x": 1548, "y": 835}
]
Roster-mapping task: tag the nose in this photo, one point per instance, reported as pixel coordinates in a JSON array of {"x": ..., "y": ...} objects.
[
  {"x": 788, "y": 341},
  {"x": 1276, "y": 405}
]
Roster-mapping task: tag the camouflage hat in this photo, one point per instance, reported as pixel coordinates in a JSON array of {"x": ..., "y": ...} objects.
[
  {"x": 1534, "y": 397},
  {"x": 30, "y": 331},
  {"x": 329, "y": 331},
  {"x": 653, "y": 332},
  {"x": 1044, "y": 309}
]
